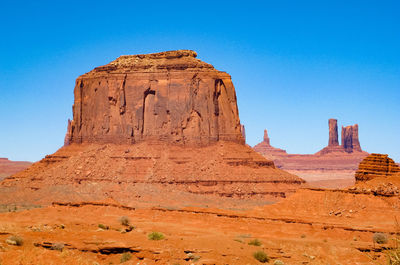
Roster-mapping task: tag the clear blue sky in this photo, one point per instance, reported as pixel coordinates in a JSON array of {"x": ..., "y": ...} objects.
[{"x": 295, "y": 64}]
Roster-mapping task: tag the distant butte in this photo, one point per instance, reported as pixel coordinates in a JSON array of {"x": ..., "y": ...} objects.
[
  {"x": 332, "y": 167},
  {"x": 8, "y": 167},
  {"x": 350, "y": 142}
]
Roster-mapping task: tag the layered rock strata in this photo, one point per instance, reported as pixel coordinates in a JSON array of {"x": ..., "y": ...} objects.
[{"x": 374, "y": 166}]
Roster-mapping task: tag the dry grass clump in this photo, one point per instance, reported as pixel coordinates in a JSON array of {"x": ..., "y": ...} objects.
[
  {"x": 155, "y": 236},
  {"x": 261, "y": 256},
  {"x": 125, "y": 257},
  {"x": 255, "y": 242},
  {"x": 124, "y": 220},
  {"x": 104, "y": 227}
]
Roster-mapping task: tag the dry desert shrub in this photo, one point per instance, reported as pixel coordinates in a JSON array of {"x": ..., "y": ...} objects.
[
  {"x": 380, "y": 238},
  {"x": 261, "y": 256},
  {"x": 104, "y": 227},
  {"x": 124, "y": 220},
  {"x": 155, "y": 236},
  {"x": 125, "y": 257},
  {"x": 255, "y": 242}
]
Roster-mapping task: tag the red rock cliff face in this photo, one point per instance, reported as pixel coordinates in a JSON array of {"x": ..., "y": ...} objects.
[
  {"x": 169, "y": 96},
  {"x": 333, "y": 133},
  {"x": 350, "y": 140}
]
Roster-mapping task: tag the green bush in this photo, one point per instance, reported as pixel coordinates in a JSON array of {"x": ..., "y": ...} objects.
[
  {"x": 124, "y": 220},
  {"x": 155, "y": 236},
  {"x": 380, "y": 238},
  {"x": 125, "y": 257},
  {"x": 255, "y": 242},
  {"x": 261, "y": 256}
]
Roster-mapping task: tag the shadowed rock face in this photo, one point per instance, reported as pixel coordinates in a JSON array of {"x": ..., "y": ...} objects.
[{"x": 168, "y": 96}]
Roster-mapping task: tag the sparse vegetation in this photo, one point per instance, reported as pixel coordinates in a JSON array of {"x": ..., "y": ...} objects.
[
  {"x": 15, "y": 240},
  {"x": 104, "y": 227},
  {"x": 278, "y": 262},
  {"x": 125, "y": 257},
  {"x": 261, "y": 256},
  {"x": 124, "y": 220},
  {"x": 58, "y": 246},
  {"x": 393, "y": 255},
  {"x": 380, "y": 238},
  {"x": 155, "y": 236},
  {"x": 255, "y": 242},
  {"x": 303, "y": 236}
]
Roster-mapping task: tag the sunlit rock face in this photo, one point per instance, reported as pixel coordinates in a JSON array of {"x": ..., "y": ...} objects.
[{"x": 168, "y": 96}]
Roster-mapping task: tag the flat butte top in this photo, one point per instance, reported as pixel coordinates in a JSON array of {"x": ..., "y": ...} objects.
[{"x": 154, "y": 62}]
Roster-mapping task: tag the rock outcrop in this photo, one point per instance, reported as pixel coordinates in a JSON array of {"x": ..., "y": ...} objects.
[
  {"x": 350, "y": 142},
  {"x": 333, "y": 166},
  {"x": 161, "y": 125},
  {"x": 333, "y": 133},
  {"x": 267, "y": 150},
  {"x": 168, "y": 96},
  {"x": 374, "y": 166}
]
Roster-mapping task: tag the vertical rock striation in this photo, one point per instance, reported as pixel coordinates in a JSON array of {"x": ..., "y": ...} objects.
[
  {"x": 168, "y": 96},
  {"x": 333, "y": 133},
  {"x": 350, "y": 142}
]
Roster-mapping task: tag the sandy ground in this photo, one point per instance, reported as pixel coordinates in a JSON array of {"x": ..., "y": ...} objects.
[{"x": 310, "y": 227}]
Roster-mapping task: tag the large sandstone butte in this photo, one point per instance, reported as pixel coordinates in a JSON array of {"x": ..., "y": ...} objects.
[
  {"x": 375, "y": 166},
  {"x": 168, "y": 96},
  {"x": 332, "y": 167},
  {"x": 158, "y": 127}
]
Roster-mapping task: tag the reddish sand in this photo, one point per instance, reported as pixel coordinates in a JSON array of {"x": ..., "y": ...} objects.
[{"x": 310, "y": 227}]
